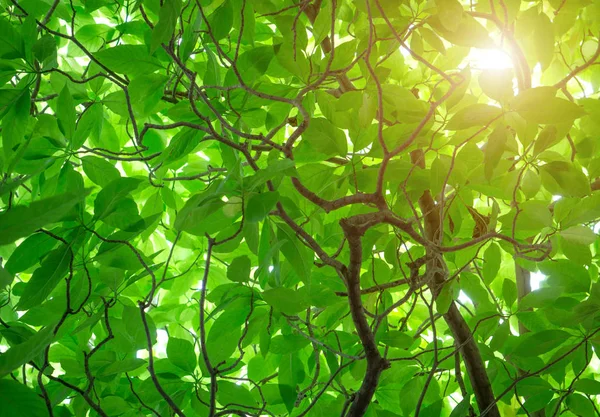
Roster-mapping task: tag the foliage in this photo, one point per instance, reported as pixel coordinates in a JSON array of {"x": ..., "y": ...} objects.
[{"x": 314, "y": 208}]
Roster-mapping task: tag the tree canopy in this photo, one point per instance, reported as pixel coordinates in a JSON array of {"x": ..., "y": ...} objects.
[{"x": 299, "y": 208}]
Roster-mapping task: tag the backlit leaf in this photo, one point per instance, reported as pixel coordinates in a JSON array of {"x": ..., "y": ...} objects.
[
  {"x": 541, "y": 342},
  {"x": 167, "y": 20},
  {"x": 539, "y": 105},
  {"x": 21, "y": 221},
  {"x": 181, "y": 353},
  {"x": 22, "y": 353},
  {"x": 474, "y": 115},
  {"x": 132, "y": 60},
  {"x": 44, "y": 279}
]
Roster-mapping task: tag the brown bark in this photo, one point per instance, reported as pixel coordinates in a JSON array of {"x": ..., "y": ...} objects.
[
  {"x": 312, "y": 11},
  {"x": 375, "y": 362},
  {"x": 454, "y": 319}
]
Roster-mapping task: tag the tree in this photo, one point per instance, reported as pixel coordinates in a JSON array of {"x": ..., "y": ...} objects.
[{"x": 316, "y": 208}]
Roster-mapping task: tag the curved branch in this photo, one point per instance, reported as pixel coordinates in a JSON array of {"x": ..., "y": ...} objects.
[
  {"x": 376, "y": 364},
  {"x": 454, "y": 319},
  {"x": 563, "y": 83}
]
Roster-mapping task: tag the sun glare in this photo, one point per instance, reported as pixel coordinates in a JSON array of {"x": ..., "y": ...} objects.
[{"x": 489, "y": 59}]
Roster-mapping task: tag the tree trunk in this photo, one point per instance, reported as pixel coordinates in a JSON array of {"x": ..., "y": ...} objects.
[
  {"x": 375, "y": 362},
  {"x": 456, "y": 322}
]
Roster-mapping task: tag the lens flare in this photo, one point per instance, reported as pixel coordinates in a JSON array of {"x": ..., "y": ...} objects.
[{"x": 489, "y": 59}]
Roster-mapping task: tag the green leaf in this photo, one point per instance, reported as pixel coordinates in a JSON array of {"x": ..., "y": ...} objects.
[
  {"x": 397, "y": 339},
  {"x": 297, "y": 65},
  {"x": 167, "y": 20},
  {"x": 285, "y": 300},
  {"x": 92, "y": 36},
  {"x": 439, "y": 172},
  {"x": 252, "y": 64},
  {"x": 494, "y": 148},
  {"x": 543, "y": 39},
  {"x": 531, "y": 183},
  {"x": 540, "y": 297},
  {"x": 580, "y": 405},
  {"x": 468, "y": 31},
  {"x": 230, "y": 393},
  {"x": 567, "y": 274},
  {"x": 8, "y": 186},
  {"x": 450, "y": 14},
  {"x": 123, "y": 366},
  {"x": 29, "y": 252},
  {"x": 8, "y": 97},
  {"x": 539, "y": 105},
  {"x": 432, "y": 39},
  {"x": 222, "y": 339},
  {"x": 114, "y": 405},
  {"x": 322, "y": 25},
  {"x": 564, "y": 178},
  {"x": 462, "y": 409},
  {"x": 576, "y": 252},
  {"x": 21, "y": 221},
  {"x": 324, "y": 138},
  {"x": 15, "y": 124},
  {"x": 213, "y": 72},
  {"x": 474, "y": 115},
  {"x": 497, "y": 84},
  {"x": 576, "y": 211},
  {"x": 401, "y": 104},
  {"x": 537, "y": 344},
  {"x": 133, "y": 60},
  {"x": 46, "y": 277},
  {"x": 125, "y": 216},
  {"x": 284, "y": 344},
  {"x": 99, "y": 170},
  {"x": 239, "y": 269},
  {"x": 291, "y": 373},
  {"x": 446, "y": 297},
  {"x": 44, "y": 47},
  {"x": 16, "y": 398},
  {"x": 459, "y": 92},
  {"x": 6, "y": 278},
  {"x": 22, "y": 353},
  {"x": 533, "y": 217},
  {"x": 221, "y": 20},
  {"x": 546, "y": 139},
  {"x": 181, "y": 353},
  {"x": 411, "y": 392},
  {"x": 107, "y": 199},
  {"x": 532, "y": 386},
  {"x": 146, "y": 93},
  {"x": 294, "y": 252},
  {"x": 579, "y": 234},
  {"x": 492, "y": 258},
  {"x": 181, "y": 145},
  {"x": 537, "y": 401},
  {"x": 275, "y": 169},
  {"x": 89, "y": 123},
  {"x": 587, "y": 386},
  {"x": 509, "y": 292},
  {"x": 259, "y": 367},
  {"x": 198, "y": 210},
  {"x": 259, "y": 205},
  {"x": 11, "y": 43},
  {"x": 66, "y": 113}
]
